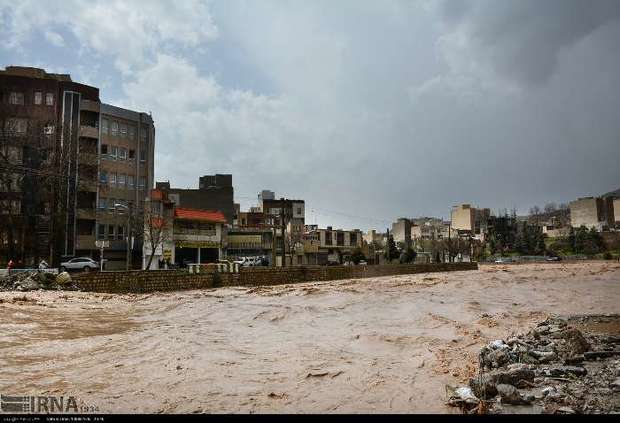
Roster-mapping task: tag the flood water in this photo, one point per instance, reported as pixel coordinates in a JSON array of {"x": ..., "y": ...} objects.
[{"x": 387, "y": 344}]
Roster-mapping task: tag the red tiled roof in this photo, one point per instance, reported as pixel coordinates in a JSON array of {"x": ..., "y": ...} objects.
[{"x": 213, "y": 216}]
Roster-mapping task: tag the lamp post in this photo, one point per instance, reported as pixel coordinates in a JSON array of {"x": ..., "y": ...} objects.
[{"x": 122, "y": 206}]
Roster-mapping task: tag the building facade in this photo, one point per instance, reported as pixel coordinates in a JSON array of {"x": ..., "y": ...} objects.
[
  {"x": 126, "y": 166},
  {"x": 401, "y": 232},
  {"x": 48, "y": 165},
  {"x": 592, "y": 212},
  {"x": 215, "y": 192},
  {"x": 181, "y": 235}
]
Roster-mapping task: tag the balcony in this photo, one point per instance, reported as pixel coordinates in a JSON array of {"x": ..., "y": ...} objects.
[
  {"x": 89, "y": 132},
  {"x": 86, "y": 214},
  {"x": 91, "y": 106},
  {"x": 87, "y": 185}
]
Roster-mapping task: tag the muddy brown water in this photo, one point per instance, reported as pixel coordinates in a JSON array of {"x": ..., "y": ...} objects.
[{"x": 387, "y": 344}]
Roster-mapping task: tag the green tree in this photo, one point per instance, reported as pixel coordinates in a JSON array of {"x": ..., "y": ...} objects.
[
  {"x": 357, "y": 255},
  {"x": 391, "y": 252}
]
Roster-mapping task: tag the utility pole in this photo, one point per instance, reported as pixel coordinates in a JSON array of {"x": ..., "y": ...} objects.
[
  {"x": 273, "y": 245},
  {"x": 129, "y": 243},
  {"x": 282, "y": 230}
]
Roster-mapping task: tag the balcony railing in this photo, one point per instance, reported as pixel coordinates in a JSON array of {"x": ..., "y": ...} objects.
[
  {"x": 87, "y": 214},
  {"x": 89, "y": 131},
  {"x": 91, "y": 106}
]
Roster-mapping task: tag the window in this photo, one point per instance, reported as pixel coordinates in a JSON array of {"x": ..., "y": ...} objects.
[
  {"x": 38, "y": 98},
  {"x": 143, "y": 133},
  {"x": 102, "y": 203},
  {"x": 130, "y": 181},
  {"x": 339, "y": 238},
  {"x": 103, "y": 177},
  {"x": 113, "y": 152},
  {"x": 112, "y": 178},
  {"x": 104, "y": 149},
  {"x": 142, "y": 155},
  {"x": 100, "y": 231},
  {"x": 142, "y": 182},
  {"x": 353, "y": 238},
  {"x": 132, "y": 132},
  {"x": 104, "y": 126},
  {"x": 132, "y": 154},
  {"x": 123, "y": 130},
  {"x": 120, "y": 232},
  {"x": 121, "y": 180},
  {"x": 12, "y": 153},
  {"x": 49, "y": 99},
  {"x": 114, "y": 129},
  {"x": 16, "y": 126},
  {"x": 16, "y": 98},
  {"x": 328, "y": 238},
  {"x": 110, "y": 231},
  {"x": 122, "y": 153}
]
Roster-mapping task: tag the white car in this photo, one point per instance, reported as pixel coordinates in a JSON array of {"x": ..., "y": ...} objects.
[{"x": 79, "y": 263}]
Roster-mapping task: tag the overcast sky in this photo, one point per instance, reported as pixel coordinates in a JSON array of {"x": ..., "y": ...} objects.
[{"x": 368, "y": 110}]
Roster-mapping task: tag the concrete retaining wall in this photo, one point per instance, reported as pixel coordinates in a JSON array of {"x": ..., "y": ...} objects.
[{"x": 143, "y": 281}]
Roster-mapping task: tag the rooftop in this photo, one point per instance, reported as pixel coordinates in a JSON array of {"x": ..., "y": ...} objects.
[{"x": 211, "y": 216}]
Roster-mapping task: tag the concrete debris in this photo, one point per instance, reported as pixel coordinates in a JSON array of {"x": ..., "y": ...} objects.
[
  {"x": 35, "y": 280},
  {"x": 562, "y": 366}
]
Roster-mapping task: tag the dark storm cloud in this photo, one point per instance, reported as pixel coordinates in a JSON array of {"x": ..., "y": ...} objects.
[{"x": 522, "y": 38}]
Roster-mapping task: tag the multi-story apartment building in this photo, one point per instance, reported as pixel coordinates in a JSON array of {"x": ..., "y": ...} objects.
[
  {"x": 333, "y": 244},
  {"x": 592, "y": 212},
  {"x": 48, "y": 164},
  {"x": 126, "y": 166},
  {"x": 68, "y": 154},
  {"x": 401, "y": 232}
]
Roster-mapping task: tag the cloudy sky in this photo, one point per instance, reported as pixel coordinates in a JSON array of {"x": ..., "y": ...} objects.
[{"x": 368, "y": 110}]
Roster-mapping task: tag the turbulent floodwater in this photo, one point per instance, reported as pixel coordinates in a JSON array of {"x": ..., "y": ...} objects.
[{"x": 385, "y": 344}]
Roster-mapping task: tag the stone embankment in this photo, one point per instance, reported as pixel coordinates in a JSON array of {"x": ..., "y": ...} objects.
[{"x": 162, "y": 280}]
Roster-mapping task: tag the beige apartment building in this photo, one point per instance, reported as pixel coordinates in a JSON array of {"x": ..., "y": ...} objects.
[
  {"x": 126, "y": 165},
  {"x": 617, "y": 211},
  {"x": 463, "y": 217},
  {"x": 592, "y": 212}
]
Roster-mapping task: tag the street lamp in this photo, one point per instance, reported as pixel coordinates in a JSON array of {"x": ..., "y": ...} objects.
[{"x": 122, "y": 206}]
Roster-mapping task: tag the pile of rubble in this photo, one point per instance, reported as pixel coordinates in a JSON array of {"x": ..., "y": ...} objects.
[
  {"x": 562, "y": 366},
  {"x": 34, "y": 280}
]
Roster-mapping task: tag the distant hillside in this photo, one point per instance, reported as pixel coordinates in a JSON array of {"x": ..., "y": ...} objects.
[{"x": 614, "y": 194}]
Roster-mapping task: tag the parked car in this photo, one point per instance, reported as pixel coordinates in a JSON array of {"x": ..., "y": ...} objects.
[
  {"x": 79, "y": 263},
  {"x": 503, "y": 260},
  {"x": 362, "y": 263},
  {"x": 553, "y": 258}
]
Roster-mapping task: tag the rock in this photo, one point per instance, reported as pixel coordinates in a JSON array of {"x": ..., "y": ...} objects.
[
  {"x": 548, "y": 390},
  {"x": 615, "y": 385},
  {"x": 28, "y": 284},
  {"x": 461, "y": 396},
  {"x": 485, "y": 386},
  {"x": 510, "y": 395},
  {"x": 542, "y": 330},
  {"x": 564, "y": 371},
  {"x": 565, "y": 410},
  {"x": 498, "y": 345},
  {"x": 577, "y": 359},
  {"x": 594, "y": 355},
  {"x": 575, "y": 343},
  {"x": 544, "y": 356}
]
